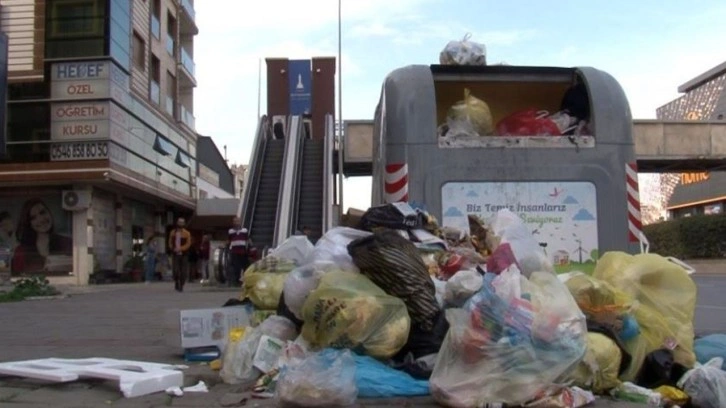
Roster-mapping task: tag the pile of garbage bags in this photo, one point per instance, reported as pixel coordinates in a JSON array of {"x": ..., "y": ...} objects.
[{"x": 401, "y": 307}]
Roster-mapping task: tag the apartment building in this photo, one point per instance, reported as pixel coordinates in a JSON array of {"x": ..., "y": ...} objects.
[{"x": 101, "y": 143}]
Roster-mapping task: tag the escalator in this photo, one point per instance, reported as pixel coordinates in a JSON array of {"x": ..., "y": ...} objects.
[
  {"x": 264, "y": 214},
  {"x": 310, "y": 199}
]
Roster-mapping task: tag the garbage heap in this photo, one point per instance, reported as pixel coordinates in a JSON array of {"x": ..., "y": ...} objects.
[{"x": 399, "y": 306}]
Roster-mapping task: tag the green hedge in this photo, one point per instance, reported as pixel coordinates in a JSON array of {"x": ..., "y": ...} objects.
[{"x": 697, "y": 237}]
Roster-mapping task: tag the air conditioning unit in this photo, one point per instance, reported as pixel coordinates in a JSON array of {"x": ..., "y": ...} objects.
[{"x": 76, "y": 200}]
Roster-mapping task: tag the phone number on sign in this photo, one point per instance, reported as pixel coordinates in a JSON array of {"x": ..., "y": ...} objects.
[{"x": 79, "y": 151}]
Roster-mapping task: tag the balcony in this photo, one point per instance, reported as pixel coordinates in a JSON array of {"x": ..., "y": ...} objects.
[
  {"x": 187, "y": 117},
  {"x": 169, "y": 105},
  {"x": 188, "y": 20},
  {"x": 187, "y": 62},
  {"x": 155, "y": 27},
  {"x": 154, "y": 92},
  {"x": 170, "y": 44}
]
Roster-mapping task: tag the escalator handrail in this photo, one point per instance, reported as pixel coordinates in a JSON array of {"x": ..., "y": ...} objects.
[
  {"x": 297, "y": 192},
  {"x": 285, "y": 200},
  {"x": 328, "y": 173},
  {"x": 249, "y": 197}
]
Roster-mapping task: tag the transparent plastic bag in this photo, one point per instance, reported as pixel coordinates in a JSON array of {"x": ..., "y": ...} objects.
[
  {"x": 462, "y": 286},
  {"x": 333, "y": 247},
  {"x": 322, "y": 379},
  {"x": 510, "y": 229},
  {"x": 303, "y": 280},
  {"x": 463, "y": 52},
  {"x": 348, "y": 311},
  {"x": 706, "y": 384},
  {"x": 665, "y": 298},
  {"x": 238, "y": 357},
  {"x": 503, "y": 348},
  {"x": 296, "y": 248}
]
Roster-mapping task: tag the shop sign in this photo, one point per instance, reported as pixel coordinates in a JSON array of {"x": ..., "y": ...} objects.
[
  {"x": 692, "y": 178},
  {"x": 91, "y": 129},
  {"x": 86, "y": 80},
  {"x": 88, "y": 111},
  {"x": 94, "y": 150}
]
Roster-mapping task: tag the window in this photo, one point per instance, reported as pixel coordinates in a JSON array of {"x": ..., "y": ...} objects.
[
  {"x": 76, "y": 18},
  {"x": 139, "y": 50},
  {"x": 170, "y": 33},
  {"x": 154, "y": 90},
  {"x": 183, "y": 159},
  {"x": 163, "y": 145},
  {"x": 156, "y": 19},
  {"x": 170, "y": 93},
  {"x": 75, "y": 28}
]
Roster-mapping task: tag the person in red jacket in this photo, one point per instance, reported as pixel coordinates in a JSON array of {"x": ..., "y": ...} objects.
[{"x": 239, "y": 252}]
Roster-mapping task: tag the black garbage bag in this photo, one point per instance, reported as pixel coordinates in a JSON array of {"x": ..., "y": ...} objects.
[
  {"x": 659, "y": 369},
  {"x": 394, "y": 264},
  {"x": 576, "y": 101},
  {"x": 398, "y": 216}
]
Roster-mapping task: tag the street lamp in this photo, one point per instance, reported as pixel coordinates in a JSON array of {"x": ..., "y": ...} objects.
[{"x": 340, "y": 109}]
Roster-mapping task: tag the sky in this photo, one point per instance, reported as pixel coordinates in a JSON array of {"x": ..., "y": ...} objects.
[{"x": 650, "y": 47}]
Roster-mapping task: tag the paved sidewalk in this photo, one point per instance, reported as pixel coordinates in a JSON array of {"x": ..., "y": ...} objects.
[{"x": 125, "y": 322}]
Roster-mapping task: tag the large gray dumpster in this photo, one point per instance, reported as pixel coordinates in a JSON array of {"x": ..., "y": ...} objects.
[{"x": 570, "y": 190}]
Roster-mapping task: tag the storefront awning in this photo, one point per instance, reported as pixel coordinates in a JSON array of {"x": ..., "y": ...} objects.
[{"x": 214, "y": 213}]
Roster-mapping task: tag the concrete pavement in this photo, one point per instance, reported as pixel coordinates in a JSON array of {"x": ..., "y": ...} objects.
[{"x": 125, "y": 322}]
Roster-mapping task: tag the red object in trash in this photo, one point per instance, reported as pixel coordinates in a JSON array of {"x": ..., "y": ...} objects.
[
  {"x": 453, "y": 264},
  {"x": 528, "y": 123},
  {"x": 501, "y": 259}
]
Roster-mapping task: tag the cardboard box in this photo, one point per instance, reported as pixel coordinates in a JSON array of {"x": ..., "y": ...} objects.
[{"x": 204, "y": 327}]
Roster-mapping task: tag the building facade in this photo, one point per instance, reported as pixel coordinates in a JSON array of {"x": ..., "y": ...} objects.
[
  {"x": 240, "y": 178},
  {"x": 214, "y": 178},
  {"x": 689, "y": 194},
  {"x": 101, "y": 143}
]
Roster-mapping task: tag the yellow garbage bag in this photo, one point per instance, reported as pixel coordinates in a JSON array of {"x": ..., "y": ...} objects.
[
  {"x": 665, "y": 298},
  {"x": 474, "y": 111},
  {"x": 347, "y": 310},
  {"x": 263, "y": 289},
  {"x": 672, "y": 394},
  {"x": 264, "y": 281},
  {"x": 598, "y": 370},
  {"x": 599, "y": 301}
]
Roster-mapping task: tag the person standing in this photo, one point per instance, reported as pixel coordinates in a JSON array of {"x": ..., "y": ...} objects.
[
  {"x": 239, "y": 245},
  {"x": 150, "y": 261},
  {"x": 204, "y": 258},
  {"x": 180, "y": 240}
]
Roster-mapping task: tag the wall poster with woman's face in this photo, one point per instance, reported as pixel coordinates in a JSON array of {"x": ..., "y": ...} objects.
[{"x": 37, "y": 231}]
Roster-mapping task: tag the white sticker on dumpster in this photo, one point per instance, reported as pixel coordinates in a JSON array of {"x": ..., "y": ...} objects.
[{"x": 562, "y": 216}]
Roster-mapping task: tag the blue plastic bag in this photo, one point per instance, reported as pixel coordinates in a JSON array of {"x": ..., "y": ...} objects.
[
  {"x": 376, "y": 380},
  {"x": 709, "y": 347}
]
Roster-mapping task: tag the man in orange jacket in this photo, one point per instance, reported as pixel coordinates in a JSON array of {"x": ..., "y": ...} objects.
[{"x": 180, "y": 240}]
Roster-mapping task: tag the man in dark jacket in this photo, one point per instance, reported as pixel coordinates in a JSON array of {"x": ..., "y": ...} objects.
[{"x": 180, "y": 240}]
